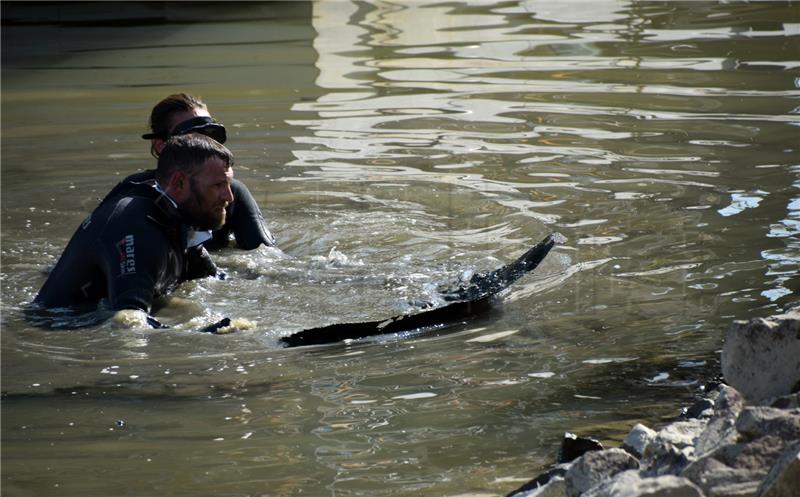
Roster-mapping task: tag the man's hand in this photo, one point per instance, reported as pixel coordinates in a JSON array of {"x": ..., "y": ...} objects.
[
  {"x": 135, "y": 318},
  {"x": 217, "y": 327}
]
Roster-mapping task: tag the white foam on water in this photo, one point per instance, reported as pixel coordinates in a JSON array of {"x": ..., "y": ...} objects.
[
  {"x": 413, "y": 396},
  {"x": 609, "y": 360},
  {"x": 491, "y": 337}
]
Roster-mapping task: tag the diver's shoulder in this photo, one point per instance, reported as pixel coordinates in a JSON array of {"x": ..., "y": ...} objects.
[
  {"x": 129, "y": 206},
  {"x": 146, "y": 176}
]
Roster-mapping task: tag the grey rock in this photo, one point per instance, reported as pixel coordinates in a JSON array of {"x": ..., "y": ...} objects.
[
  {"x": 638, "y": 439},
  {"x": 682, "y": 433},
  {"x": 663, "y": 458},
  {"x": 761, "y": 357},
  {"x": 709, "y": 473},
  {"x": 713, "y": 390},
  {"x": 721, "y": 430},
  {"x": 729, "y": 400},
  {"x": 783, "y": 479},
  {"x": 702, "y": 470},
  {"x": 744, "y": 489},
  {"x": 719, "y": 433},
  {"x": 755, "y": 422},
  {"x": 631, "y": 484},
  {"x": 791, "y": 401},
  {"x": 730, "y": 449},
  {"x": 620, "y": 482},
  {"x": 594, "y": 467},
  {"x": 758, "y": 455}
]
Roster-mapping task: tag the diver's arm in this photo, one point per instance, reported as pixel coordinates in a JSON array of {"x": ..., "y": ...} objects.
[
  {"x": 133, "y": 262},
  {"x": 199, "y": 264},
  {"x": 132, "y": 281},
  {"x": 246, "y": 220},
  {"x": 131, "y": 294}
]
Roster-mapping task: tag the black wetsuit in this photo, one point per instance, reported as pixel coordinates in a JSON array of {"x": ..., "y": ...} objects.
[
  {"x": 131, "y": 250},
  {"x": 243, "y": 219}
]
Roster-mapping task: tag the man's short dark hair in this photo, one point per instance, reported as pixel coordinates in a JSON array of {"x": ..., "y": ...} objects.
[
  {"x": 187, "y": 153},
  {"x": 161, "y": 116}
]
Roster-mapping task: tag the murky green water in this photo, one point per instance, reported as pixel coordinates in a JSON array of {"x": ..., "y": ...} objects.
[{"x": 392, "y": 146}]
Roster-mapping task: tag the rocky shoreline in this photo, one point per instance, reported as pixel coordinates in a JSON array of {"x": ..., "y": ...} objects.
[{"x": 742, "y": 439}]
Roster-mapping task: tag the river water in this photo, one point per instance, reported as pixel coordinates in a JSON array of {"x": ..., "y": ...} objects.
[{"x": 394, "y": 146}]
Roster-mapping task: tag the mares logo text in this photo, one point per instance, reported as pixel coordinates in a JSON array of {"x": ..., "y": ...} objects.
[{"x": 127, "y": 259}]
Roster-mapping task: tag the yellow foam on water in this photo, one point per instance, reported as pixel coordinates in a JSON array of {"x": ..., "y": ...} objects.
[
  {"x": 493, "y": 336},
  {"x": 237, "y": 324},
  {"x": 130, "y": 318}
]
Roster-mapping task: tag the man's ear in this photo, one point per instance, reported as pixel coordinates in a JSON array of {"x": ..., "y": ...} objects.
[
  {"x": 156, "y": 146},
  {"x": 178, "y": 187}
]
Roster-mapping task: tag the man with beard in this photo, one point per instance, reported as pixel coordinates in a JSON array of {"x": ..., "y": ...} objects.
[
  {"x": 136, "y": 247},
  {"x": 181, "y": 114}
]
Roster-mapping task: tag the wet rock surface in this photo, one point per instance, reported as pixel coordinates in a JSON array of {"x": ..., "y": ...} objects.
[
  {"x": 595, "y": 467},
  {"x": 741, "y": 440},
  {"x": 760, "y": 356}
]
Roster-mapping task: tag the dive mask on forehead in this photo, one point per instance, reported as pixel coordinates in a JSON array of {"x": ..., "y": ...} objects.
[{"x": 203, "y": 125}]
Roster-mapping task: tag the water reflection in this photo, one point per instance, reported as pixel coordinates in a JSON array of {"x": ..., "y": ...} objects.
[{"x": 464, "y": 53}]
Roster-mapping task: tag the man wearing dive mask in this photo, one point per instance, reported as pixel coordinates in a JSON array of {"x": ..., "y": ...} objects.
[
  {"x": 204, "y": 125},
  {"x": 182, "y": 114},
  {"x": 136, "y": 247}
]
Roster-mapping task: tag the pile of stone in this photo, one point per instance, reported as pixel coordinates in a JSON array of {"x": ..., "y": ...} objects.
[{"x": 743, "y": 440}]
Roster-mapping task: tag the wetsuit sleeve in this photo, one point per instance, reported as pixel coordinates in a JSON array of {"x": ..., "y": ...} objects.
[
  {"x": 247, "y": 222},
  {"x": 199, "y": 264},
  {"x": 133, "y": 263}
]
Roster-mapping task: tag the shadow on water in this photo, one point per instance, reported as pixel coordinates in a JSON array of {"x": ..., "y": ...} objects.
[{"x": 126, "y": 389}]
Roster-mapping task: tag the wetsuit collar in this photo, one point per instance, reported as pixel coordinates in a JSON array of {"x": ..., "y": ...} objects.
[
  {"x": 164, "y": 193},
  {"x": 193, "y": 237}
]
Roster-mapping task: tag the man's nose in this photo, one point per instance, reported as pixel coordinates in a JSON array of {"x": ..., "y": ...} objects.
[{"x": 227, "y": 194}]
